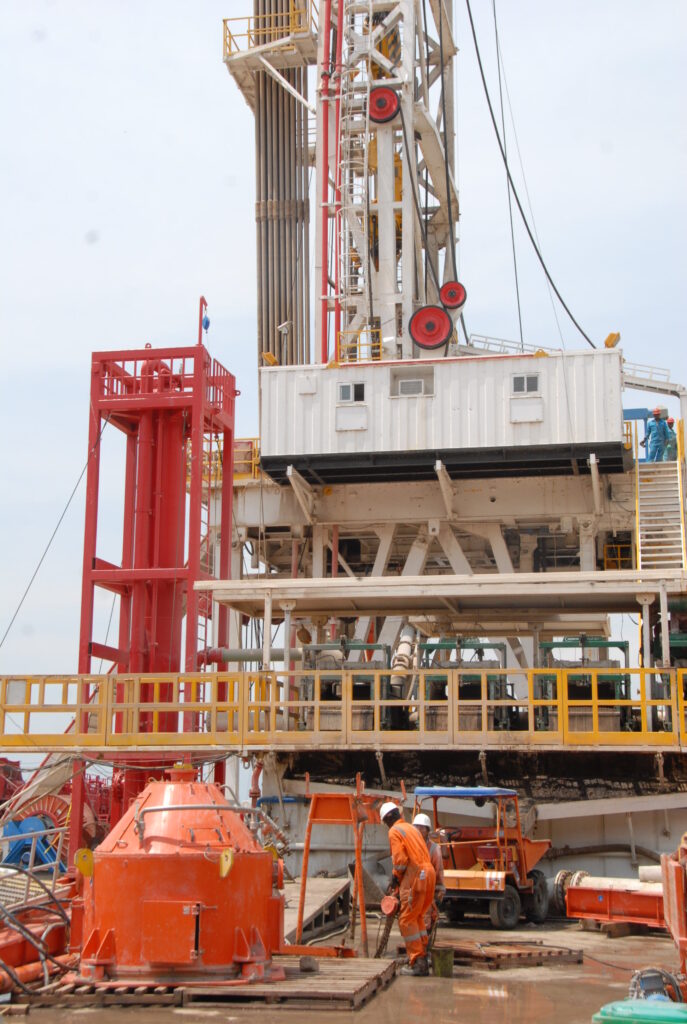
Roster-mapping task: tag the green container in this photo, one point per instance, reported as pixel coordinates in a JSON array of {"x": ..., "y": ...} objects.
[
  {"x": 642, "y": 1011},
  {"x": 442, "y": 963}
]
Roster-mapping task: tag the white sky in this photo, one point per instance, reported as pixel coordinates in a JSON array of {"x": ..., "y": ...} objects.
[{"x": 126, "y": 167}]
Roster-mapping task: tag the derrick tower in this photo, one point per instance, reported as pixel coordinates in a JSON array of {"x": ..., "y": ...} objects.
[{"x": 382, "y": 155}]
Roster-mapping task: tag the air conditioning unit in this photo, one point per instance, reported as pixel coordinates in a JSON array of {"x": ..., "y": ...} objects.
[{"x": 411, "y": 387}]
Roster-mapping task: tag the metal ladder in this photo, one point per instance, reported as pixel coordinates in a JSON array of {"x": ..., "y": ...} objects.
[
  {"x": 660, "y": 522},
  {"x": 354, "y": 151}
]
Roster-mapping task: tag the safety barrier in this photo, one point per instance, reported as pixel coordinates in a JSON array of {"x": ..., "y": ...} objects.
[
  {"x": 246, "y": 458},
  {"x": 364, "y": 345},
  {"x": 636, "y": 709},
  {"x": 253, "y": 30}
]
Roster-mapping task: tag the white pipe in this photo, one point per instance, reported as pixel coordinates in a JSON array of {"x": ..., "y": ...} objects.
[
  {"x": 650, "y": 873},
  {"x": 403, "y": 657}
]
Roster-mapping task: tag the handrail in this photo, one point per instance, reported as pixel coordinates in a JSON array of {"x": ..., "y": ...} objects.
[
  {"x": 55, "y": 867},
  {"x": 259, "y": 29},
  {"x": 361, "y": 708},
  {"x": 638, "y": 543},
  {"x": 359, "y": 346},
  {"x": 680, "y": 435}
]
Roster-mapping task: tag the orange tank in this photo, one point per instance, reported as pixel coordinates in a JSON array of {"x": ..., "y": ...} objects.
[{"x": 180, "y": 887}]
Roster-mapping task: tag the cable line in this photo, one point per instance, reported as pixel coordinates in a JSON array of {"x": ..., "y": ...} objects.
[
  {"x": 52, "y": 536},
  {"x": 512, "y": 185},
  {"x": 510, "y": 205}
]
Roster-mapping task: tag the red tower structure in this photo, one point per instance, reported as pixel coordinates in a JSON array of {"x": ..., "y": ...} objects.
[{"x": 175, "y": 407}]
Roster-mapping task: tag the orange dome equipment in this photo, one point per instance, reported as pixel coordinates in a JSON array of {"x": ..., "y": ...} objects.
[{"x": 182, "y": 888}]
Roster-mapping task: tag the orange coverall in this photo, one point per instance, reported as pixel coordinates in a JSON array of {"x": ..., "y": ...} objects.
[
  {"x": 439, "y": 886},
  {"x": 412, "y": 868}
]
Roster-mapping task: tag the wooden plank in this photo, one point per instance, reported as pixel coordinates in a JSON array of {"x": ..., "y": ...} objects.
[
  {"x": 504, "y": 954},
  {"x": 321, "y": 895},
  {"x": 339, "y": 984}
]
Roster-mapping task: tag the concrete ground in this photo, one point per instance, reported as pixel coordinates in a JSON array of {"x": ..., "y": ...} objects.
[{"x": 568, "y": 994}]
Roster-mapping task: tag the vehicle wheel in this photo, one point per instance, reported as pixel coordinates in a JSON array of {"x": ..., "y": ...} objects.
[
  {"x": 536, "y": 904},
  {"x": 454, "y": 911},
  {"x": 505, "y": 913}
]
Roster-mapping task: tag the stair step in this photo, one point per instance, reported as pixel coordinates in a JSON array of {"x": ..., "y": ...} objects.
[
  {"x": 660, "y": 560},
  {"x": 659, "y": 529}
]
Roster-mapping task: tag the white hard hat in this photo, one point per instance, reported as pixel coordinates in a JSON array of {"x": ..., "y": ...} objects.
[
  {"x": 422, "y": 819},
  {"x": 387, "y": 808}
]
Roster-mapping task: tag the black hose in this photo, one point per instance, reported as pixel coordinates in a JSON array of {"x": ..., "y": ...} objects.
[
  {"x": 446, "y": 163},
  {"x": 416, "y": 199},
  {"x": 39, "y": 881},
  {"x": 570, "y": 851},
  {"x": 14, "y": 978},
  {"x": 29, "y": 937}
]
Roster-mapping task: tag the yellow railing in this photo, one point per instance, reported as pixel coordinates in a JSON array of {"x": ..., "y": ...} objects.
[
  {"x": 680, "y": 436},
  {"x": 628, "y": 435},
  {"x": 617, "y": 556},
  {"x": 246, "y": 461},
  {"x": 636, "y": 709},
  {"x": 247, "y": 458},
  {"x": 359, "y": 346},
  {"x": 253, "y": 30}
]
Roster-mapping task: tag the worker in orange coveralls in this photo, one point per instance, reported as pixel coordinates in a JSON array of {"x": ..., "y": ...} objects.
[
  {"x": 413, "y": 877},
  {"x": 424, "y": 826}
]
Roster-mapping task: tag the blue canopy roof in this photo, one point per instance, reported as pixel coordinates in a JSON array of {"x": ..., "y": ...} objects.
[{"x": 464, "y": 792}]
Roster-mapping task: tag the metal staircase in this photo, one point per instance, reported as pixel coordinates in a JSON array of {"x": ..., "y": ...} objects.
[{"x": 660, "y": 523}]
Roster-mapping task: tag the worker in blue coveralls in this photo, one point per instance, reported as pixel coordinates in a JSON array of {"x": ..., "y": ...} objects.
[
  {"x": 656, "y": 437},
  {"x": 670, "y": 453}
]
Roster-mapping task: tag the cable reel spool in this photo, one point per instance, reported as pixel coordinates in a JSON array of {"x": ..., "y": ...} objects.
[
  {"x": 430, "y": 327},
  {"x": 384, "y": 104}
]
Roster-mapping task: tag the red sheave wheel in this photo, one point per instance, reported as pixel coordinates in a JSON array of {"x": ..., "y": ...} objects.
[
  {"x": 430, "y": 327},
  {"x": 384, "y": 104},
  {"x": 453, "y": 295}
]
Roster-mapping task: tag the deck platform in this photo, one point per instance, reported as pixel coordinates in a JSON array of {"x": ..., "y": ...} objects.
[{"x": 345, "y": 984}]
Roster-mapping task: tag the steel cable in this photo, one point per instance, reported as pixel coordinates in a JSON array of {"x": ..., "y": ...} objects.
[
  {"x": 512, "y": 185},
  {"x": 54, "y": 532},
  {"x": 510, "y": 205}
]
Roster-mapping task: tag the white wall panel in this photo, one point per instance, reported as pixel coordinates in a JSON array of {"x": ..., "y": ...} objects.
[{"x": 578, "y": 401}]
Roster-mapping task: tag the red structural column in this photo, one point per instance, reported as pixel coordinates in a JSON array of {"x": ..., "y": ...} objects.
[
  {"x": 194, "y": 517},
  {"x": 324, "y": 255},
  {"x": 166, "y": 402},
  {"x": 91, "y": 523}
]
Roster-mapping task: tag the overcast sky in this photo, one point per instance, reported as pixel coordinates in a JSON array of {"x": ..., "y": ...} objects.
[{"x": 127, "y": 191}]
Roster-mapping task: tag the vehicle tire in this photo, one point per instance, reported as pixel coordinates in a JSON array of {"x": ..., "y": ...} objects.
[
  {"x": 536, "y": 903},
  {"x": 505, "y": 912},
  {"x": 454, "y": 910}
]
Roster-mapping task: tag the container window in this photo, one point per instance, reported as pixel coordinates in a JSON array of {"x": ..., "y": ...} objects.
[
  {"x": 525, "y": 383},
  {"x": 351, "y": 392}
]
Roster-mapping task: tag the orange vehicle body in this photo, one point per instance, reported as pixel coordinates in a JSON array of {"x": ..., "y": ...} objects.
[
  {"x": 180, "y": 886},
  {"x": 481, "y": 861},
  {"x": 674, "y": 878},
  {"x": 484, "y": 859}
]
